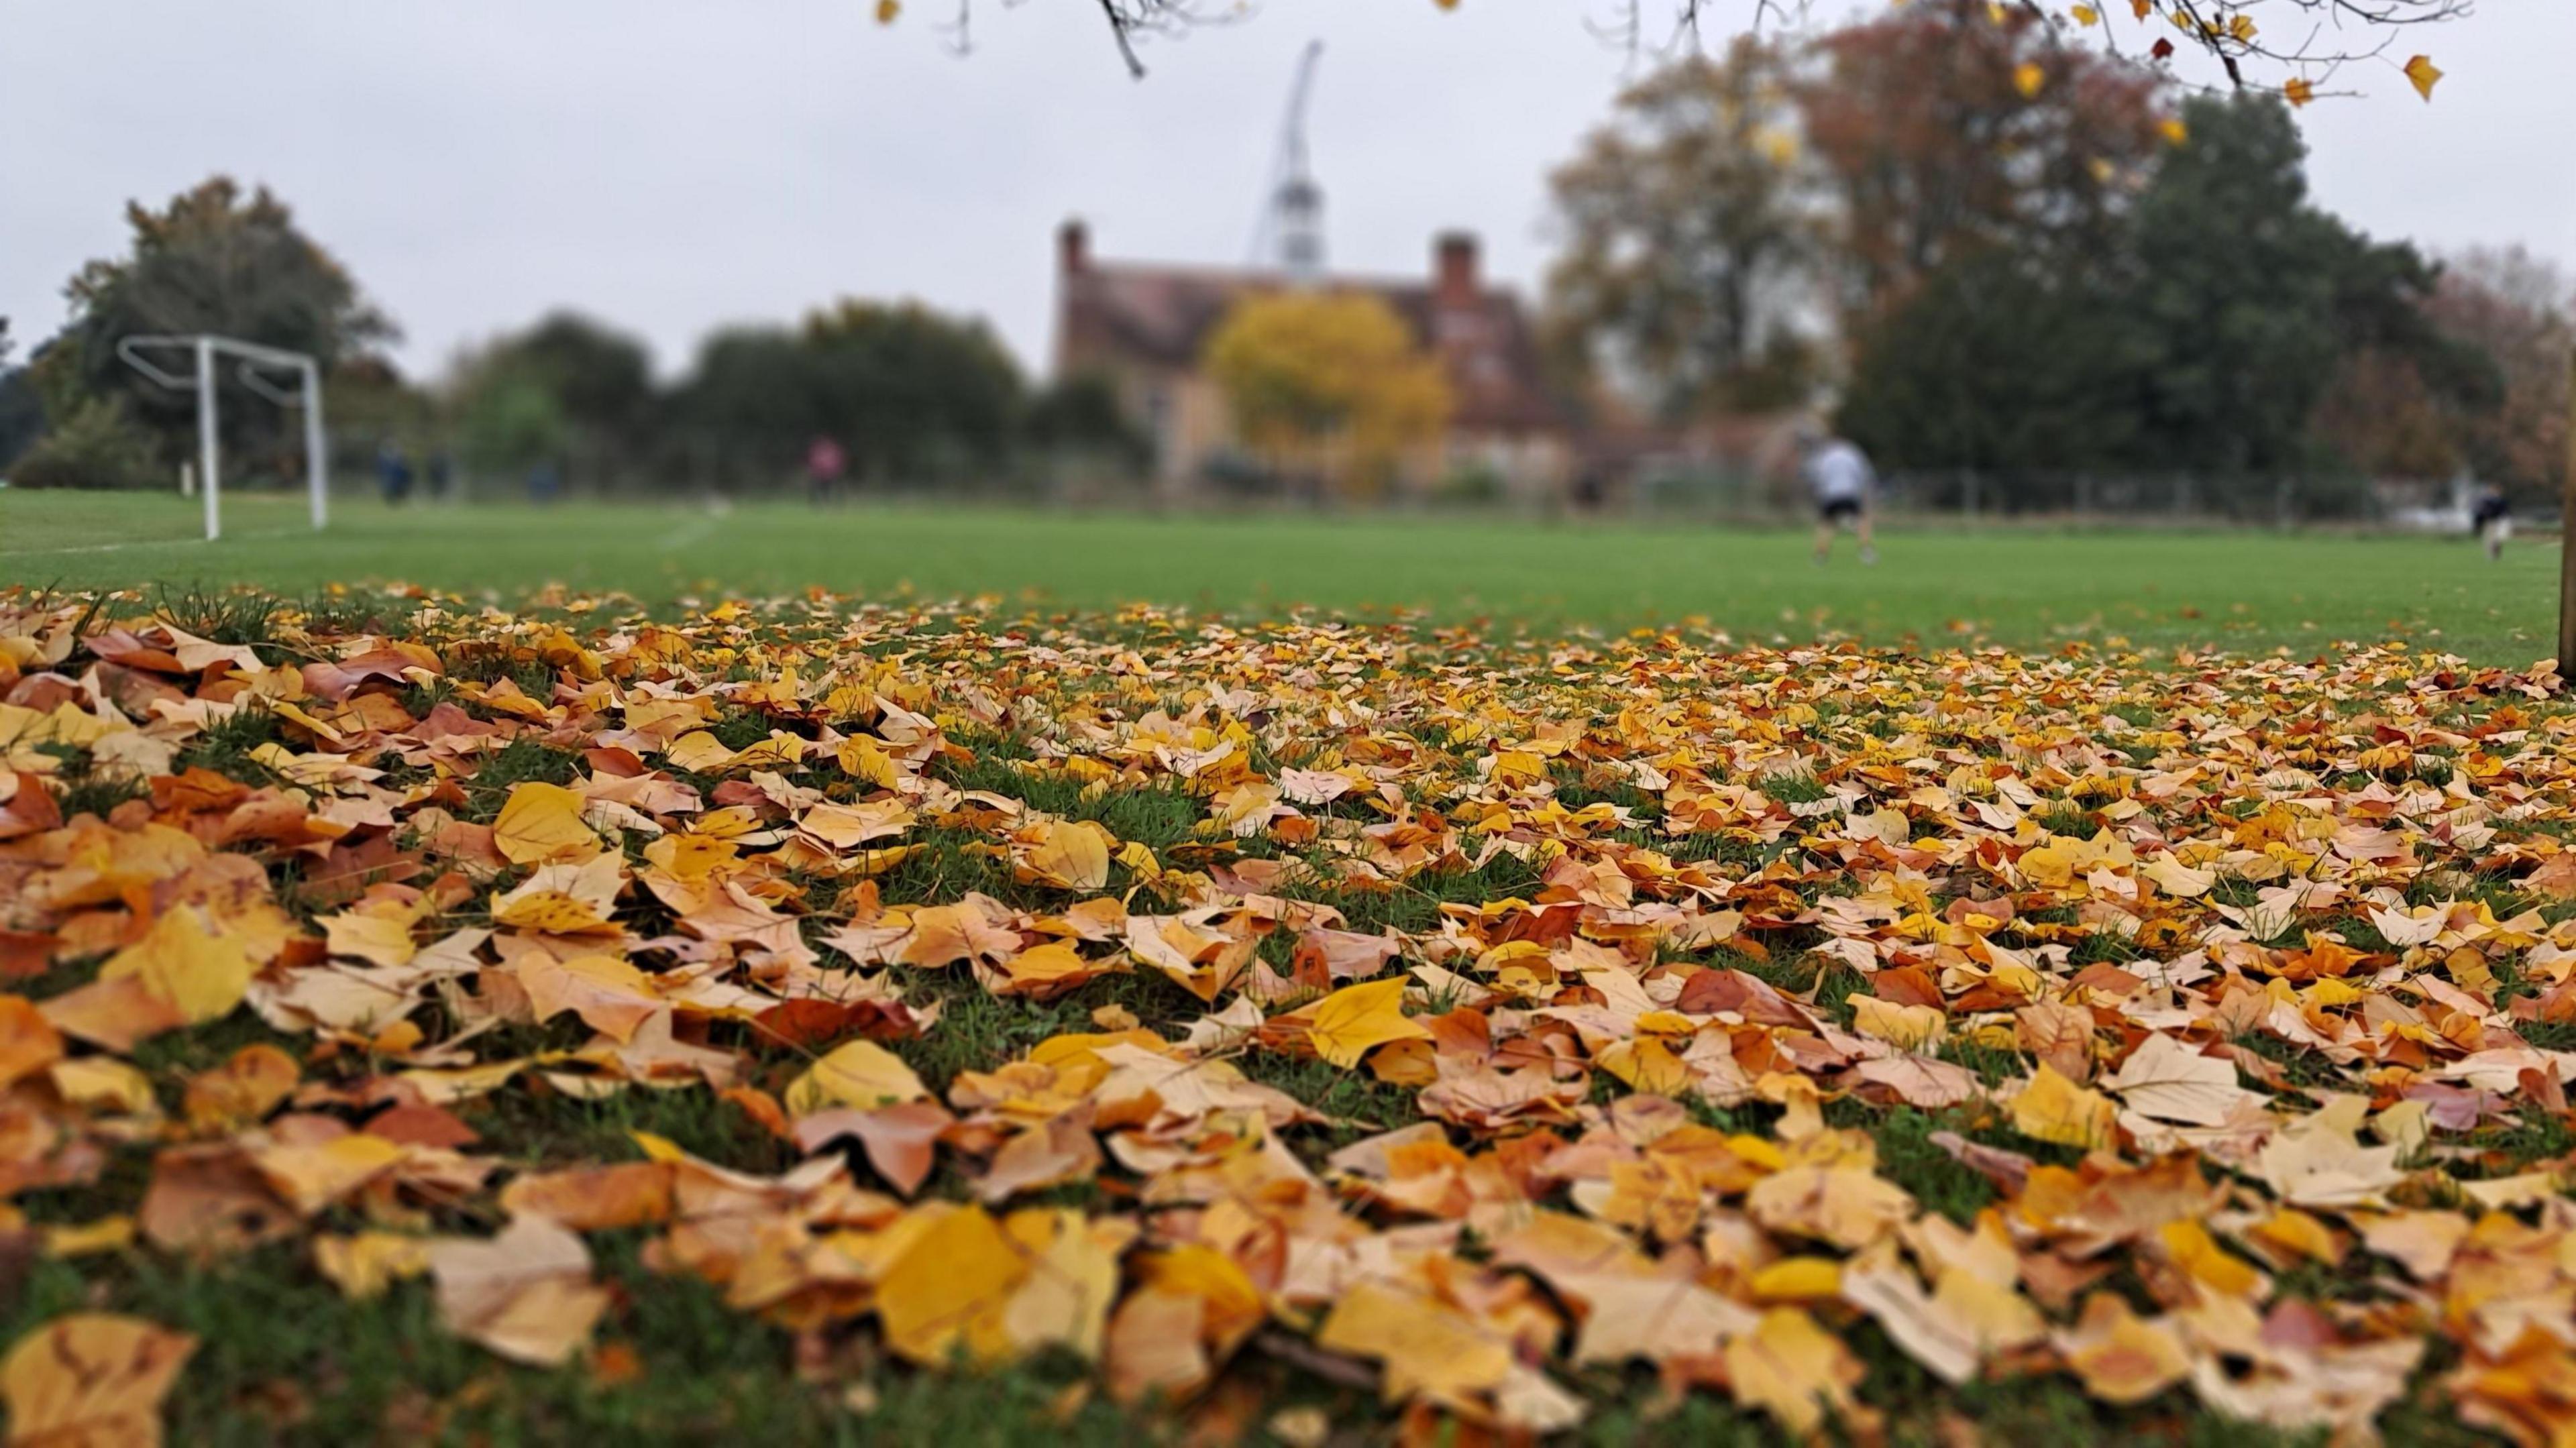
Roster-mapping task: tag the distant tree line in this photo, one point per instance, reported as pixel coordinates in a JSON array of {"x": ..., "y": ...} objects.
[
  {"x": 1987, "y": 251},
  {"x": 906, "y": 394}
]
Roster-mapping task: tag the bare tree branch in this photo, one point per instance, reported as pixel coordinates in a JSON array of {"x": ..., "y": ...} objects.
[
  {"x": 2239, "y": 35},
  {"x": 1121, "y": 26}
]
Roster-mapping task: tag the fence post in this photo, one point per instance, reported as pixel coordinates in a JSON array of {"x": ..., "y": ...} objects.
[{"x": 1968, "y": 491}]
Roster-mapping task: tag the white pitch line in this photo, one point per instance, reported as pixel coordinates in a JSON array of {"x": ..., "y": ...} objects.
[
  {"x": 689, "y": 534},
  {"x": 138, "y": 543}
]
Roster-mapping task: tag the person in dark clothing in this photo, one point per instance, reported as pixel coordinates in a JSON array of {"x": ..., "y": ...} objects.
[
  {"x": 393, "y": 471},
  {"x": 2493, "y": 518}
]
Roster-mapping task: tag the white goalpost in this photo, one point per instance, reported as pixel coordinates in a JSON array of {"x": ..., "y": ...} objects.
[{"x": 204, "y": 347}]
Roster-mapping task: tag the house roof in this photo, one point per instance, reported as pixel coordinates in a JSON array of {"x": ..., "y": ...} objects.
[{"x": 1118, "y": 313}]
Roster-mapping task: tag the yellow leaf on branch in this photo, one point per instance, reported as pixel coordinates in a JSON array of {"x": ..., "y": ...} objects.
[{"x": 2423, "y": 74}]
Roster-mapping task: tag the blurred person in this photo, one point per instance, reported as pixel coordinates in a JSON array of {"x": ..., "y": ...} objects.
[
  {"x": 1839, "y": 478},
  {"x": 825, "y": 462},
  {"x": 545, "y": 481},
  {"x": 393, "y": 471},
  {"x": 2493, "y": 518},
  {"x": 440, "y": 476}
]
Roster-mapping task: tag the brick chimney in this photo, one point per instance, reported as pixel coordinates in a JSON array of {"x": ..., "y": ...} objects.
[
  {"x": 1454, "y": 284},
  {"x": 1072, "y": 246}
]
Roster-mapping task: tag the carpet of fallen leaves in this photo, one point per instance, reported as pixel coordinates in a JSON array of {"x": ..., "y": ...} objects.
[{"x": 1470, "y": 1022}]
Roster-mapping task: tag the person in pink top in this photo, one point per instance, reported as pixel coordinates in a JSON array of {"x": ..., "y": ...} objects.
[{"x": 825, "y": 462}]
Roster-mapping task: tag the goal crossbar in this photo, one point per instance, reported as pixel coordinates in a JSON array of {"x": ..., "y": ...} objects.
[{"x": 204, "y": 348}]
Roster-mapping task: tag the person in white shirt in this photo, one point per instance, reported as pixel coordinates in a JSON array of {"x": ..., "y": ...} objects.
[{"x": 1840, "y": 480}]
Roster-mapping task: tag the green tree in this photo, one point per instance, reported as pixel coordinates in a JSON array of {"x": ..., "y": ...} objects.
[
  {"x": 910, "y": 394},
  {"x": 2243, "y": 296},
  {"x": 22, "y": 411},
  {"x": 1997, "y": 363},
  {"x": 753, "y": 394},
  {"x": 95, "y": 445},
  {"x": 2202, "y": 332},
  {"x": 566, "y": 387},
  {"x": 212, "y": 260},
  {"x": 1080, "y": 416},
  {"x": 511, "y": 419},
  {"x": 600, "y": 378},
  {"x": 1695, "y": 240}
]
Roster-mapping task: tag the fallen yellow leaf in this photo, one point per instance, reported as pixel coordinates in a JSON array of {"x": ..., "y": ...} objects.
[
  {"x": 2052, "y": 1108},
  {"x": 91, "y": 1380},
  {"x": 857, "y": 1073},
  {"x": 541, "y": 822},
  {"x": 201, "y": 974},
  {"x": 1344, "y": 1025}
]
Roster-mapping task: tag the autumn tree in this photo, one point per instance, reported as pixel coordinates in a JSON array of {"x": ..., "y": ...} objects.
[
  {"x": 2380, "y": 418},
  {"x": 1693, "y": 240},
  {"x": 1949, "y": 126},
  {"x": 2519, "y": 310},
  {"x": 215, "y": 259},
  {"x": 1330, "y": 384}
]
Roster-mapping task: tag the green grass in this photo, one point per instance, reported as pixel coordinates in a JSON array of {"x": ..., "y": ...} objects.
[{"x": 2023, "y": 587}]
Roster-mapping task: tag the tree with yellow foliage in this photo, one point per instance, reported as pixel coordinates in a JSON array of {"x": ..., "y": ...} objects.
[{"x": 1328, "y": 384}]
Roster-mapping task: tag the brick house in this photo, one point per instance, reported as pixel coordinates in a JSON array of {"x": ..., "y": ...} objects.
[{"x": 1146, "y": 328}]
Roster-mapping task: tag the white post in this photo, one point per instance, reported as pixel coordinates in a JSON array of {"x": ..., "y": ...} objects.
[
  {"x": 317, "y": 471},
  {"x": 187, "y": 480},
  {"x": 206, "y": 451}
]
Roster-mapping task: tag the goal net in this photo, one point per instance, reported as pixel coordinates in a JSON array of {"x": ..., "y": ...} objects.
[{"x": 259, "y": 369}]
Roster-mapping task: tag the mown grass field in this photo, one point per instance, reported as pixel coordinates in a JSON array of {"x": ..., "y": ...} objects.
[
  {"x": 2023, "y": 588},
  {"x": 1747, "y": 1047}
]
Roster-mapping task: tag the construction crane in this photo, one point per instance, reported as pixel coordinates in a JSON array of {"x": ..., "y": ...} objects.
[{"x": 1290, "y": 233}]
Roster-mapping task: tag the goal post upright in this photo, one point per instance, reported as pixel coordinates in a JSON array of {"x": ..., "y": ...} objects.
[
  {"x": 209, "y": 455},
  {"x": 317, "y": 454}
]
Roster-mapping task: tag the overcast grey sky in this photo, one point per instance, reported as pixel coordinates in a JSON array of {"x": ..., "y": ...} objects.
[{"x": 671, "y": 165}]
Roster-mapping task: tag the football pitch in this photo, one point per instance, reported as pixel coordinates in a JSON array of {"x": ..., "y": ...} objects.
[{"x": 2018, "y": 586}]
